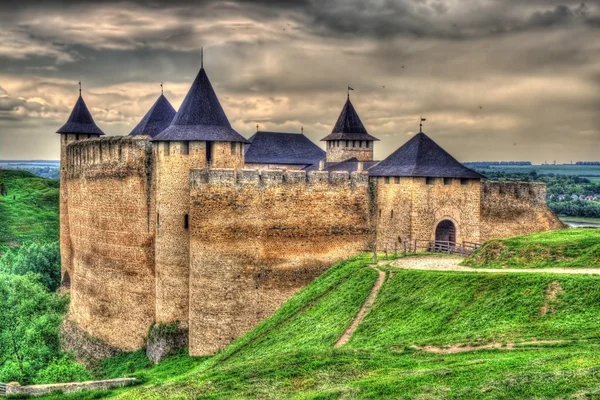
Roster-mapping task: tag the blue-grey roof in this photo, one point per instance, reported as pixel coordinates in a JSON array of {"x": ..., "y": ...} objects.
[
  {"x": 349, "y": 165},
  {"x": 157, "y": 119},
  {"x": 282, "y": 148},
  {"x": 80, "y": 121},
  {"x": 349, "y": 126},
  {"x": 423, "y": 157},
  {"x": 200, "y": 117}
]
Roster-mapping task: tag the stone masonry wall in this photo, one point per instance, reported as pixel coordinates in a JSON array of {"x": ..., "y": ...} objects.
[
  {"x": 408, "y": 208},
  {"x": 515, "y": 208},
  {"x": 275, "y": 166},
  {"x": 335, "y": 154},
  {"x": 111, "y": 231},
  {"x": 256, "y": 239}
]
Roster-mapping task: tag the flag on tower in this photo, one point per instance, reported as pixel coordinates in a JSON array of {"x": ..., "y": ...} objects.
[{"x": 349, "y": 88}]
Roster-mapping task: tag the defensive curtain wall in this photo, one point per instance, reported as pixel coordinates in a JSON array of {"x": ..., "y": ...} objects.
[
  {"x": 111, "y": 245},
  {"x": 257, "y": 238},
  {"x": 236, "y": 244}
]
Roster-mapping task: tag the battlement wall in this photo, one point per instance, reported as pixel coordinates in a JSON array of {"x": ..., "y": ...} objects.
[
  {"x": 510, "y": 208},
  {"x": 109, "y": 186},
  {"x": 257, "y": 237}
]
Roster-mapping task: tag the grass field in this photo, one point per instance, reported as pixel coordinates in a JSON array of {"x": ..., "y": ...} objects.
[
  {"x": 29, "y": 212},
  {"x": 568, "y": 248},
  {"x": 291, "y": 354}
]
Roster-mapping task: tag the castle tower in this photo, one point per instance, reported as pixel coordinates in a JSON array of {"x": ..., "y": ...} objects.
[
  {"x": 157, "y": 119},
  {"x": 80, "y": 125},
  {"x": 200, "y": 136},
  {"x": 349, "y": 137}
]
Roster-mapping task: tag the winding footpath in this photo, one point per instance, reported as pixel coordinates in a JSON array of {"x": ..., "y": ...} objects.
[
  {"x": 363, "y": 310},
  {"x": 433, "y": 263}
]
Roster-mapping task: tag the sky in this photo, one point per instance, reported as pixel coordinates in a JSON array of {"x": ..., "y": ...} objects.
[{"x": 495, "y": 79}]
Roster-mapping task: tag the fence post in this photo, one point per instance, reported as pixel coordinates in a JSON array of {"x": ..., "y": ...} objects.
[
  {"x": 395, "y": 249},
  {"x": 386, "y": 252}
]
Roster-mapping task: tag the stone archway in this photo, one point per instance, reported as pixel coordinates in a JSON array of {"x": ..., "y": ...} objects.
[{"x": 446, "y": 232}]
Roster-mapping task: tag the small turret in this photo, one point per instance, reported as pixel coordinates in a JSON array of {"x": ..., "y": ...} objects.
[
  {"x": 349, "y": 137},
  {"x": 157, "y": 119},
  {"x": 80, "y": 121}
]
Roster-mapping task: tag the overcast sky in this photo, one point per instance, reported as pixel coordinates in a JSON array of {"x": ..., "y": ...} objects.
[{"x": 496, "y": 79}]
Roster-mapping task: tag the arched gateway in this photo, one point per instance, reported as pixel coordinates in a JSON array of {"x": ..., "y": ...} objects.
[{"x": 446, "y": 232}]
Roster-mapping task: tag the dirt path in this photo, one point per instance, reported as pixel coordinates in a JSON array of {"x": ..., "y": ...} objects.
[
  {"x": 461, "y": 348},
  {"x": 433, "y": 263},
  {"x": 363, "y": 310}
]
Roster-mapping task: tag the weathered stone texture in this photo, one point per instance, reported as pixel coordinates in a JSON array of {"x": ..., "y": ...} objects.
[
  {"x": 408, "y": 208},
  {"x": 112, "y": 239},
  {"x": 39, "y": 390},
  {"x": 335, "y": 154},
  {"x": 515, "y": 208},
  {"x": 257, "y": 239},
  {"x": 274, "y": 166}
]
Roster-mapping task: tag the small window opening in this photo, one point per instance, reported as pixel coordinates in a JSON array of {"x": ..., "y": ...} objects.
[
  {"x": 157, "y": 220},
  {"x": 367, "y": 144},
  {"x": 185, "y": 148},
  {"x": 387, "y": 179},
  {"x": 233, "y": 147},
  {"x": 209, "y": 153},
  {"x": 392, "y": 214},
  {"x": 186, "y": 221},
  {"x": 380, "y": 213},
  {"x": 464, "y": 181},
  {"x": 396, "y": 179},
  {"x": 447, "y": 181},
  {"x": 167, "y": 148},
  {"x": 429, "y": 180}
]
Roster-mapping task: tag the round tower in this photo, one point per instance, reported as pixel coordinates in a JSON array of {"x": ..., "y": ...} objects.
[
  {"x": 199, "y": 136},
  {"x": 80, "y": 125},
  {"x": 349, "y": 137}
]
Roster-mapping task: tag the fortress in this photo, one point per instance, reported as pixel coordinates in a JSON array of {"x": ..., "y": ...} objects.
[{"x": 185, "y": 223}]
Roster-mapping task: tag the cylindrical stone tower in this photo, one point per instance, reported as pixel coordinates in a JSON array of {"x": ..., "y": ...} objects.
[{"x": 80, "y": 125}]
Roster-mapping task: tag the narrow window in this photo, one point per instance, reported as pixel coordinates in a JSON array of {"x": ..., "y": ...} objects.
[
  {"x": 167, "y": 148},
  {"x": 186, "y": 221},
  {"x": 185, "y": 148},
  {"x": 396, "y": 178},
  {"x": 157, "y": 220},
  {"x": 233, "y": 147},
  {"x": 380, "y": 213},
  {"x": 464, "y": 181},
  {"x": 447, "y": 181},
  {"x": 209, "y": 153},
  {"x": 77, "y": 137},
  {"x": 392, "y": 214},
  {"x": 367, "y": 144},
  {"x": 429, "y": 180},
  {"x": 387, "y": 179}
]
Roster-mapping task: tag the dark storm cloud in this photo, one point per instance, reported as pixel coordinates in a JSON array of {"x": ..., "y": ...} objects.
[{"x": 484, "y": 72}]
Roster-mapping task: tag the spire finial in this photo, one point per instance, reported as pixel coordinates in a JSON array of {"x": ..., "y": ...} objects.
[
  {"x": 421, "y": 124},
  {"x": 302, "y": 129},
  {"x": 161, "y": 88},
  {"x": 201, "y": 57},
  {"x": 256, "y": 127},
  {"x": 80, "y": 88},
  {"x": 349, "y": 89}
]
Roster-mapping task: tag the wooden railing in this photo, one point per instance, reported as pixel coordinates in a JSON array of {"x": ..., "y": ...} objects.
[{"x": 432, "y": 246}]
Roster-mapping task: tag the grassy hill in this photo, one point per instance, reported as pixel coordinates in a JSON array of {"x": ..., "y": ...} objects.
[
  {"x": 546, "y": 328},
  {"x": 568, "y": 248},
  {"x": 29, "y": 210}
]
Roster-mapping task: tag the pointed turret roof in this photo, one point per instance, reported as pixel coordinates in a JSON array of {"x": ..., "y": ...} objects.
[
  {"x": 200, "y": 117},
  {"x": 80, "y": 121},
  {"x": 349, "y": 126},
  {"x": 421, "y": 156},
  {"x": 157, "y": 119}
]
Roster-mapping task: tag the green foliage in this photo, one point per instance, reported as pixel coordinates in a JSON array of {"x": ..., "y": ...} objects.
[
  {"x": 64, "y": 369},
  {"x": 568, "y": 248},
  {"x": 40, "y": 259},
  {"x": 29, "y": 321},
  {"x": 29, "y": 210}
]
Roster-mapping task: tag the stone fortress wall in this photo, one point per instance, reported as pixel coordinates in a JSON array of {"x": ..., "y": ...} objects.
[
  {"x": 150, "y": 235},
  {"x": 258, "y": 237},
  {"x": 111, "y": 238}
]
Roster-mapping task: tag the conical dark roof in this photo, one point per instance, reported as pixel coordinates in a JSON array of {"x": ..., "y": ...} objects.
[
  {"x": 157, "y": 119},
  {"x": 421, "y": 156},
  {"x": 349, "y": 126},
  {"x": 80, "y": 121},
  {"x": 200, "y": 117}
]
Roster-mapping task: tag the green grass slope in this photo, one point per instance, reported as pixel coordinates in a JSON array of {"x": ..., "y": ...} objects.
[
  {"x": 29, "y": 211},
  {"x": 567, "y": 248},
  {"x": 292, "y": 354}
]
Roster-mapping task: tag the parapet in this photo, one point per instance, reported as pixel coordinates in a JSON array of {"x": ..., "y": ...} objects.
[
  {"x": 527, "y": 191},
  {"x": 266, "y": 178},
  {"x": 108, "y": 153}
]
